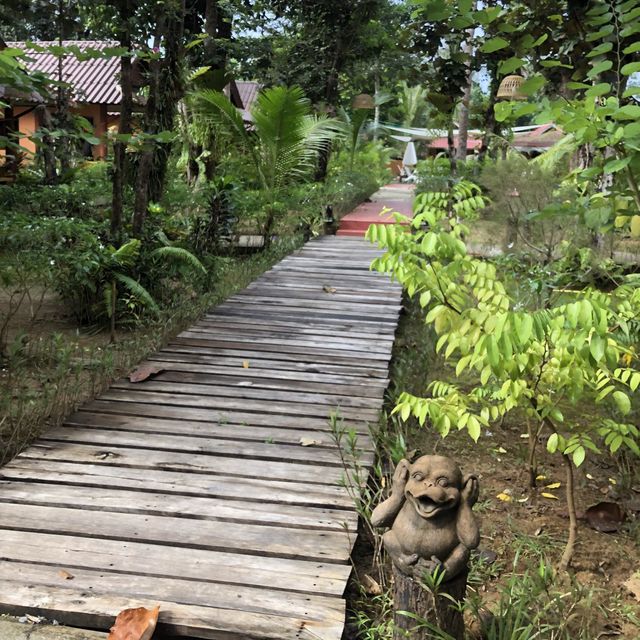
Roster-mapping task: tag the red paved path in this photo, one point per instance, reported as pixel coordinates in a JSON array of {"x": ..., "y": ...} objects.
[{"x": 396, "y": 196}]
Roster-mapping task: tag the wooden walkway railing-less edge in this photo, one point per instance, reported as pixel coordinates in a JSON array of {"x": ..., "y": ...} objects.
[{"x": 192, "y": 490}]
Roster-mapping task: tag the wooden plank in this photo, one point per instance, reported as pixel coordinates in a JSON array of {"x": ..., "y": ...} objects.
[
  {"x": 324, "y": 456},
  {"x": 209, "y": 415},
  {"x": 247, "y": 538},
  {"x": 290, "y": 327},
  {"x": 264, "y": 336},
  {"x": 177, "y": 483},
  {"x": 325, "y": 303},
  {"x": 273, "y": 353},
  {"x": 179, "y": 590},
  {"x": 79, "y": 608},
  {"x": 184, "y": 353},
  {"x": 148, "y": 502},
  {"x": 189, "y": 462},
  {"x": 230, "y": 404},
  {"x": 181, "y": 372},
  {"x": 248, "y": 392},
  {"x": 290, "y": 346},
  {"x": 211, "y": 430}
]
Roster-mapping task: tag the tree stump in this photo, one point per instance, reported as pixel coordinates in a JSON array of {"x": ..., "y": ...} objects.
[{"x": 439, "y": 612}]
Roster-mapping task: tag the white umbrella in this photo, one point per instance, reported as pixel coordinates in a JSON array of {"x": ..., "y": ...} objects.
[{"x": 410, "y": 159}]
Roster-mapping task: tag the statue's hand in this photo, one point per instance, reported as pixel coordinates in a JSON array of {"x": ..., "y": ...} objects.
[
  {"x": 400, "y": 477},
  {"x": 470, "y": 490},
  {"x": 428, "y": 566},
  {"x": 405, "y": 563}
]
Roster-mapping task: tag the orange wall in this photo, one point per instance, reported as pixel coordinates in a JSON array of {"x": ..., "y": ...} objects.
[{"x": 29, "y": 123}]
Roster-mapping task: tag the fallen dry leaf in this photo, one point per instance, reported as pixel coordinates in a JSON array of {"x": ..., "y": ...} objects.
[
  {"x": 553, "y": 485},
  {"x": 134, "y": 624},
  {"x": 328, "y": 289},
  {"x": 145, "y": 372},
  {"x": 371, "y": 586},
  {"x": 505, "y": 497},
  {"x": 549, "y": 496},
  {"x": 633, "y": 585},
  {"x": 65, "y": 575},
  {"x": 541, "y": 477},
  {"x": 309, "y": 442},
  {"x": 245, "y": 364}
]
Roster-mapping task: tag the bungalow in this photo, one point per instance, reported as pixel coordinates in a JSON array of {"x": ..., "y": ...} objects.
[{"x": 95, "y": 89}]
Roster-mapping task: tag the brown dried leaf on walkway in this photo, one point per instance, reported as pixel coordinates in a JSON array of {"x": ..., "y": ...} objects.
[
  {"x": 328, "y": 289},
  {"x": 135, "y": 624},
  {"x": 65, "y": 575},
  {"x": 309, "y": 442},
  {"x": 145, "y": 372}
]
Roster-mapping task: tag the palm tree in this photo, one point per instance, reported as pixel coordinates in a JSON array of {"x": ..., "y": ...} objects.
[
  {"x": 283, "y": 143},
  {"x": 413, "y": 103}
]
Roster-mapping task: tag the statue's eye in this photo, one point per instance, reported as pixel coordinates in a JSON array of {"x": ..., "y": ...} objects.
[
  {"x": 417, "y": 476},
  {"x": 443, "y": 482}
]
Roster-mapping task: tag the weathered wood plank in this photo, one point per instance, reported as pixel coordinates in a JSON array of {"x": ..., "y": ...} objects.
[
  {"x": 266, "y": 450},
  {"x": 247, "y": 392},
  {"x": 212, "y": 430},
  {"x": 210, "y": 415},
  {"x": 178, "y": 590},
  {"x": 180, "y": 483},
  {"x": 247, "y": 538},
  {"x": 81, "y": 608},
  {"x": 213, "y": 402},
  {"x": 110, "y": 499},
  {"x": 179, "y": 461}
]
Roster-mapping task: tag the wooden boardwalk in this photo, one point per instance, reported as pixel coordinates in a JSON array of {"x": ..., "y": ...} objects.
[{"x": 193, "y": 489}]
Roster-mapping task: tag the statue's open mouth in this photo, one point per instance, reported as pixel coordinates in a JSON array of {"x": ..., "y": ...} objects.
[{"x": 427, "y": 507}]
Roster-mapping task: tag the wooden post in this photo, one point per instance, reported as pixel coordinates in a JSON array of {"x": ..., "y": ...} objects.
[{"x": 411, "y": 597}]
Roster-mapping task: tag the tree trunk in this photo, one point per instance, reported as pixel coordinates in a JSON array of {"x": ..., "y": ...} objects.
[
  {"x": 48, "y": 154},
  {"x": 125, "y": 11},
  {"x": 451, "y": 149},
  {"x": 490, "y": 122},
  {"x": 166, "y": 87},
  {"x": 567, "y": 555},
  {"x": 438, "y": 612},
  {"x": 463, "y": 120}
]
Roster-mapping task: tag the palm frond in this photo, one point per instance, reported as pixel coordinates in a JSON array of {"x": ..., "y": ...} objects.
[
  {"x": 178, "y": 255},
  {"x": 212, "y": 105},
  {"x": 137, "y": 290}
]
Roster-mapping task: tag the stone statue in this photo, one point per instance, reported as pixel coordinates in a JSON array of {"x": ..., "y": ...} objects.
[{"x": 429, "y": 512}]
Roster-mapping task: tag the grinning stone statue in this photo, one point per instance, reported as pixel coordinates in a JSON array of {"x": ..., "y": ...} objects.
[{"x": 429, "y": 512}]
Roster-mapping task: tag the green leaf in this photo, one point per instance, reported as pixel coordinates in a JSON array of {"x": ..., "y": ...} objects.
[
  {"x": 599, "y": 68},
  {"x": 607, "y": 30},
  {"x": 629, "y": 68},
  {"x": 579, "y": 455},
  {"x": 533, "y": 84},
  {"x": 552, "y": 443},
  {"x": 597, "y": 347},
  {"x": 494, "y": 44},
  {"x": 598, "y": 90},
  {"x": 616, "y": 165},
  {"x": 628, "y": 112},
  {"x": 502, "y": 110},
  {"x": 622, "y": 402},
  {"x": 632, "y": 48},
  {"x": 473, "y": 427},
  {"x": 605, "y": 47},
  {"x": 510, "y": 65}
]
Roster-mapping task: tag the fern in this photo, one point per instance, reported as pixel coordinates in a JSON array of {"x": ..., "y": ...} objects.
[
  {"x": 178, "y": 255},
  {"x": 137, "y": 290}
]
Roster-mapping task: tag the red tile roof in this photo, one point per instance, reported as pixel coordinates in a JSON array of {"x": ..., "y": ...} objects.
[{"x": 94, "y": 81}]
